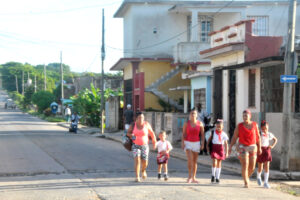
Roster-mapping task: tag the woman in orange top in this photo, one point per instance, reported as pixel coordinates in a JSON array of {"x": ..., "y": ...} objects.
[
  {"x": 139, "y": 132},
  {"x": 190, "y": 142},
  {"x": 249, "y": 144}
]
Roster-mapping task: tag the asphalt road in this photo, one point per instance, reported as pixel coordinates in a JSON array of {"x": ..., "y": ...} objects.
[{"x": 40, "y": 160}]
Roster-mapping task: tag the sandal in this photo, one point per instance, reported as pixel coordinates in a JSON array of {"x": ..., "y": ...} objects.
[{"x": 137, "y": 180}]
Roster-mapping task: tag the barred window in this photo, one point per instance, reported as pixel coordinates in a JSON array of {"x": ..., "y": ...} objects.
[
  {"x": 204, "y": 28},
  {"x": 261, "y": 25}
]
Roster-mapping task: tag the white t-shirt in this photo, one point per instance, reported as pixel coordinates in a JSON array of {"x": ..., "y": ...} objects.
[
  {"x": 224, "y": 137},
  {"x": 265, "y": 140},
  {"x": 164, "y": 146}
]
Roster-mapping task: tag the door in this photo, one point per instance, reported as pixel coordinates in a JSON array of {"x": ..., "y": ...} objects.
[
  {"x": 232, "y": 102},
  {"x": 217, "y": 94}
]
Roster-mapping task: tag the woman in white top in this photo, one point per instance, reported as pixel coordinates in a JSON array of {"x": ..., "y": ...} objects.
[
  {"x": 218, "y": 140},
  {"x": 265, "y": 157}
]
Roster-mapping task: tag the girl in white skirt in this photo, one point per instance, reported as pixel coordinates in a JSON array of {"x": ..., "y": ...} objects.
[{"x": 218, "y": 141}]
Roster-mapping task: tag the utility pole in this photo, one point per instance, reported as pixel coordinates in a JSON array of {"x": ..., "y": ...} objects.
[
  {"x": 62, "y": 77},
  {"x": 35, "y": 83},
  {"x": 45, "y": 80},
  {"x": 287, "y": 90},
  {"x": 23, "y": 82},
  {"x": 102, "y": 74},
  {"x": 17, "y": 87}
]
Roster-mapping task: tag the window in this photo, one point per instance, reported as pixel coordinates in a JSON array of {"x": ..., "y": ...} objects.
[
  {"x": 200, "y": 97},
  {"x": 205, "y": 23},
  {"x": 261, "y": 25},
  {"x": 204, "y": 28},
  {"x": 251, "y": 90}
]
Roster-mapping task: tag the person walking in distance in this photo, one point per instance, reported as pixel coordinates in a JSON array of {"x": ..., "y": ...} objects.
[
  {"x": 139, "y": 132},
  {"x": 219, "y": 140},
  {"x": 192, "y": 131},
  {"x": 128, "y": 117},
  {"x": 68, "y": 114},
  {"x": 164, "y": 147},
  {"x": 265, "y": 157},
  {"x": 249, "y": 145}
]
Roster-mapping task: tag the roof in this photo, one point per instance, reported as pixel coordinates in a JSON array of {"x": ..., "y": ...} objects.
[
  {"x": 200, "y": 3},
  {"x": 123, "y": 62}
]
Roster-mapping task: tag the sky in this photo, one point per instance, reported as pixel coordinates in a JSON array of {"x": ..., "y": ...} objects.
[{"x": 37, "y": 31}]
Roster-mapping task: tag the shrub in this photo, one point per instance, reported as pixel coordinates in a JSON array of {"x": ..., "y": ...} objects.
[
  {"x": 47, "y": 112},
  {"x": 42, "y": 99}
]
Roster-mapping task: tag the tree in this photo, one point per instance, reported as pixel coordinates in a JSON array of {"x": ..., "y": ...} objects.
[{"x": 42, "y": 99}]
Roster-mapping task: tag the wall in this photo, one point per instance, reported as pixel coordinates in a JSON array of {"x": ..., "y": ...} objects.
[
  {"x": 127, "y": 72},
  {"x": 142, "y": 19},
  {"x": 112, "y": 114}
]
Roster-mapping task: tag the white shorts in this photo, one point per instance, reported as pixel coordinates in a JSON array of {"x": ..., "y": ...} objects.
[{"x": 193, "y": 146}]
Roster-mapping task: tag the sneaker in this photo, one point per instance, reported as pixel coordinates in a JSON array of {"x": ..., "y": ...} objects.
[
  {"x": 217, "y": 180},
  {"x": 212, "y": 179},
  {"x": 166, "y": 177},
  {"x": 259, "y": 181},
  {"x": 267, "y": 186},
  {"x": 158, "y": 176}
]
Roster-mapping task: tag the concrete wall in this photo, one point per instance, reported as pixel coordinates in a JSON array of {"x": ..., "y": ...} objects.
[
  {"x": 112, "y": 106},
  {"x": 172, "y": 123}
]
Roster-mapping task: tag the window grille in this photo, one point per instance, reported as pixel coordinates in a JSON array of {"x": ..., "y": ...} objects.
[{"x": 261, "y": 25}]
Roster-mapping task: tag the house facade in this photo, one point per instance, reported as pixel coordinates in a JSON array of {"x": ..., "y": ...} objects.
[
  {"x": 246, "y": 71},
  {"x": 178, "y": 31}
]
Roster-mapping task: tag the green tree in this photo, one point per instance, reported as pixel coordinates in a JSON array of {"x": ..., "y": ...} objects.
[
  {"x": 28, "y": 96},
  {"x": 42, "y": 99}
]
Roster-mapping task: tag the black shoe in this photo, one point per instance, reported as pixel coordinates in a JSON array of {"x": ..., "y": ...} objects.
[
  {"x": 158, "y": 176},
  {"x": 212, "y": 179},
  {"x": 166, "y": 177},
  {"x": 217, "y": 180}
]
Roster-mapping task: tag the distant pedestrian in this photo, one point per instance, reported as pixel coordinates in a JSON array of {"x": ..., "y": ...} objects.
[
  {"x": 192, "y": 131},
  {"x": 68, "y": 114},
  {"x": 128, "y": 117},
  {"x": 265, "y": 157},
  {"x": 164, "y": 147},
  {"x": 203, "y": 117},
  {"x": 139, "y": 132},
  {"x": 219, "y": 140},
  {"x": 249, "y": 145}
]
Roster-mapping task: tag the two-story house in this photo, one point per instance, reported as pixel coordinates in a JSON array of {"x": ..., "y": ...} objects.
[{"x": 162, "y": 41}]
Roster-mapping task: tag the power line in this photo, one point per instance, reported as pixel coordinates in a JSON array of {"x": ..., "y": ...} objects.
[{"x": 64, "y": 11}]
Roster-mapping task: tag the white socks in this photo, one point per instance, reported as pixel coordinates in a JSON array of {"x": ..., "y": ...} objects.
[
  {"x": 213, "y": 171},
  {"x": 258, "y": 176},
  {"x": 218, "y": 173},
  {"x": 266, "y": 177}
]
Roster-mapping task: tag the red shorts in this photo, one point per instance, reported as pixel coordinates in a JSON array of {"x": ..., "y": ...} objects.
[{"x": 162, "y": 158}]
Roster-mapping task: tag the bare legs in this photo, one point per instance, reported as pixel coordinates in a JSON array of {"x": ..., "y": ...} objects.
[
  {"x": 248, "y": 166},
  {"x": 137, "y": 166},
  {"x": 192, "y": 165}
]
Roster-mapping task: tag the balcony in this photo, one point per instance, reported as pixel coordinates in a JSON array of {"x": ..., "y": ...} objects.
[{"x": 188, "y": 52}]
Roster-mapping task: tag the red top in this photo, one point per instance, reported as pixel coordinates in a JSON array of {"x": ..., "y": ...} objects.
[
  {"x": 248, "y": 136},
  {"x": 141, "y": 135},
  {"x": 192, "y": 133}
]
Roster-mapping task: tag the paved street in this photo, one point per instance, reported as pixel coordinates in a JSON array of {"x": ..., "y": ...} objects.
[{"x": 40, "y": 160}]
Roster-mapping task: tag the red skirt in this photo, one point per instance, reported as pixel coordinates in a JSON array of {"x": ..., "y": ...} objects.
[
  {"x": 217, "y": 152},
  {"x": 265, "y": 155},
  {"x": 162, "y": 158}
]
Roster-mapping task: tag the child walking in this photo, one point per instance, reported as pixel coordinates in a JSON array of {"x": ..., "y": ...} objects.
[
  {"x": 219, "y": 140},
  {"x": 265, "y": 157},
  {"x": 163, "y": 147}
]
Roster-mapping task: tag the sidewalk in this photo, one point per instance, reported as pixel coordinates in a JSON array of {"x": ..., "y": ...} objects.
[{"x": 231, "y": 164}]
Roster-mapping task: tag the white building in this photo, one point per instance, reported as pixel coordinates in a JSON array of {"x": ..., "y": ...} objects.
[{"x": 180, "y": 30}]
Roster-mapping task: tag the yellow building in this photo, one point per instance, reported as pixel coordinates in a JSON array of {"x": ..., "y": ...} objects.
[{"x": 148, "y": 81}]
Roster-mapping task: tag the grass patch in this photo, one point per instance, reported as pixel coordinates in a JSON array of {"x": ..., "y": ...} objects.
[{"x": 292, "y": 190}]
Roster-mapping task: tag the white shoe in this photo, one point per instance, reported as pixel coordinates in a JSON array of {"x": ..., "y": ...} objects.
[
  {"x": 267, "y": 186},
  {"x": 259, "y": 181}
]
